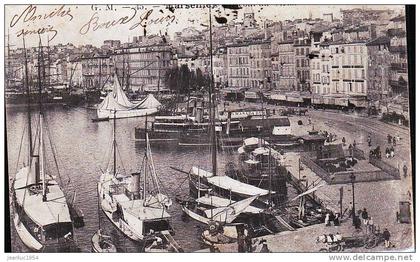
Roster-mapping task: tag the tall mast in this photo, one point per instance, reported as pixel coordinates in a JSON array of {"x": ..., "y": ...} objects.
[
  {"x": 41, "y": 160},
  {"x": 49, "y": 62},
  {"x": 123, "y": 68},
  {"x": 145, "y": 160},
  {"x": 28, "y": 97},
  {"x": 9, "y": 75},
  {"x": 114, "y": 144},
  {"x": 100, "y": 73},
  {"x": 40, "y": 59},
  {"x": 41, "y": 145},
  {"x": 212, "y": 104},
  {"x": 127, "y": 78}
]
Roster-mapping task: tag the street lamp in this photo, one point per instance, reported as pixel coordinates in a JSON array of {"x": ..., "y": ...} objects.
[{"x": 353, "y": 179}]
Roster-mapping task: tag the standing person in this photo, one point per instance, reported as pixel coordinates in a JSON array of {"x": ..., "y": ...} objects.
[
  {"x": 387, "y": 237},
  {"x": 337, "y": 220},
  {"x": 369, "y": 140},
  {"x": 387, "y": 152},
  {"x": 398, "y": 138},
  {"x": 389, "y": 139},
  {"x": 344, "y": 140},
  {"x": 370, "y": 225},
  {"x": 354, "y": 143},
  {"x": 357, "y": 222},
  {"x": 327, "y": 219},
  {"x": 405, "y": 170},
  {"x": 394, "y": 141},
  {"x": 391, "y": 151},
  {"x": 365, "y": 216},
  {"x": 350, "y": 208}
]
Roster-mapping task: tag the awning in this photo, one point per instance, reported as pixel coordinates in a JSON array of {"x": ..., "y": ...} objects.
[
  {"x": 252, "y": 95},
  {"x": 278, "y": 97},
  {"x": 358, "y": 102},
  {"x": 342, "y": 101},
  {"x": 317, "y": 100},
  {"x": 295, "y": 99}
]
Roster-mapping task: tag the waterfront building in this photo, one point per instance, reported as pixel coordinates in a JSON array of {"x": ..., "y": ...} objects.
[
  {"x": 97, "y": 70},
  {"x": 398, "y": 49},
  {"x": 142, "y": 68},
  {"x": 287, "y": 70},
  {"x": 302, "y": 50},
  {"x": 238, "y": 65},
  {"x": 260, "y": 64},
  {"x": 220, "y": 67},
  {"x": 378, "y": 68}
]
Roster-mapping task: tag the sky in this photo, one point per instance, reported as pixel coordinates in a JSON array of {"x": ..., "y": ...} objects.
[{"x": 92, "y": 24}]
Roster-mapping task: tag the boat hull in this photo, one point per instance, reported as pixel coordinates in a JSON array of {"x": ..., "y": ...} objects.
[
  {"x": 25, "y": 236},
  {"x": 96, "y": 247},
  {"x": 119, "y": 224},
  {"x": 104, "y": 114},
  {"x": 195, "y": 216}
]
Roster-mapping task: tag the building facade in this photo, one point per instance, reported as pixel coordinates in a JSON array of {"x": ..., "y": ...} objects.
[
  {"x": 238, "y": 66},
  {"x": 143, "y": 68},
  {"x": 302, "y": 50},
  {"x": 287, "y": 70},
  {"x": 260, "y": 64}
]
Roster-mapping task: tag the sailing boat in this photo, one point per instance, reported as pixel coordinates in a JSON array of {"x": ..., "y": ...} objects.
[
  {"x": 42, "y": 216},
  {"x": 102, "y": 243},
  {"x": 138, "y": 211},
  {"x": 219, "y": 214},
  {"x": 117, "y": 103}
]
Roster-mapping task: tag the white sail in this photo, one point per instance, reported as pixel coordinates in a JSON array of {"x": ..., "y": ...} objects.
[
  {"x": 229, "y": 213},
  {"x": 229, "y": 183},
  {"x": 216, "y": 201},
  {"x": 118, "y": 103}
]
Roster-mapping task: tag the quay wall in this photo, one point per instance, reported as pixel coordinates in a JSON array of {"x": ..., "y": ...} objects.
[{"x": 394, "y": 172}]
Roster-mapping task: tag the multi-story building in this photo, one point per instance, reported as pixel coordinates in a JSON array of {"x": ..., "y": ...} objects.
[
  {"x": 97, "y": 70},
  {"x": 203, "y": 63},
  {"x": 186, "y": 59},
  {"x": 323, "y": 76},
  {"x": 220, "y": 67},
  {"x": 349, "y": 65},
  {"x": 287, "y": 70},
  {"x": 302, "y": 50},
  {"x": 398, "y": 50},
  {"x": 260, "y": 64},
  {"x": 378, "y": 68},
  {"x": 238, "y": 65},
  {"x": 144, "y": 67},
  {"x": 275, "y": 60}
]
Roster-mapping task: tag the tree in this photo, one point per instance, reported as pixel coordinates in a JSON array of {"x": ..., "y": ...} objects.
[{"x": 183, "y": 81}]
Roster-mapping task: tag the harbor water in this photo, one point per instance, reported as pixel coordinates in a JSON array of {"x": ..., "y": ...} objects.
[{"x": 83, "y": 150}]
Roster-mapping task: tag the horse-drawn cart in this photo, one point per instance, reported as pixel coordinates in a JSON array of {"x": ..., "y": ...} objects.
[{"x": 338, "y": 243}]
